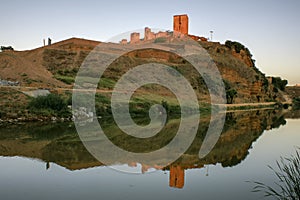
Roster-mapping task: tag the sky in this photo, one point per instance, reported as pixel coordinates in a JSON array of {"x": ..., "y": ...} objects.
[{"x": 269, "y": 28}]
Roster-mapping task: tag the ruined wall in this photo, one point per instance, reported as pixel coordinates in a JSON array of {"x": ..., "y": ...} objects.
[
  {"x": 198, "y": 38},
  {"x": 149, "y": 35},
  {"x": 134, "y": 38},
  {"x": 161, "y": 34},
  {"x": 123, "y": 41}
]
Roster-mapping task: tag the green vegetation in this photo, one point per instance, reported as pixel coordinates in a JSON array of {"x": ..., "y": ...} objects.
[
  {"x": 279, "y": 83},
  {"x": 50, "y": 105},
  {"x": 231, "y": 93},
  {"x": 237, "y": 46},
  {"x": 106, "y": 83},
  {"x": 288, "y": 175},
  {"x": 296, "y": 103},
  {"x": 3, "y": 48},
  {"x": 102, "y": 105},
  {"x": 165, "y": 105},
  {"x": 66, "y": 79},
  {"x": 160, "y": 40}
]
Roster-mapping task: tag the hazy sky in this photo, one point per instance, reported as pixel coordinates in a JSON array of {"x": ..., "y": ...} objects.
[{"x": 269, "y": 28}]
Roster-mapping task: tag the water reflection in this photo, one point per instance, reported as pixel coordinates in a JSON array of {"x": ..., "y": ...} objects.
[{"x": 59, "y": 143}]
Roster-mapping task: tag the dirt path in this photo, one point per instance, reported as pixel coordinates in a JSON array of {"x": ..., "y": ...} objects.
[{"x": 23, "y": 88}]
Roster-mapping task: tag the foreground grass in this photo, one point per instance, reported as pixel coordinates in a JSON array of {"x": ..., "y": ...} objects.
[{"x": 288, "y": 180}]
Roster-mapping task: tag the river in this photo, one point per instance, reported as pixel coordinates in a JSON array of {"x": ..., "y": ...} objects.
[{"x": 49, "y": 161}]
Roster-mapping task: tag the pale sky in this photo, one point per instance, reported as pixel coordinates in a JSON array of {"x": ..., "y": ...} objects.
[{"x": 269, "y": 28}]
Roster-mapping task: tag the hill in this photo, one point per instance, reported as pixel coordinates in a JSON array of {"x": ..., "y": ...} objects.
[{"x": 56, "y": 66}]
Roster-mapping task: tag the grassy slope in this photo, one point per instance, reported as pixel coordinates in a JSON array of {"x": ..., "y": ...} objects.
[{"x": 57, "y": 65}]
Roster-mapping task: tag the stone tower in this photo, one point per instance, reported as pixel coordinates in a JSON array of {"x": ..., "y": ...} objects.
[{"x": 181, "y": 24}]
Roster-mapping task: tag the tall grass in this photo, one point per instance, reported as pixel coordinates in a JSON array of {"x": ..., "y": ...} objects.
[{"x": 287, "y": 186}]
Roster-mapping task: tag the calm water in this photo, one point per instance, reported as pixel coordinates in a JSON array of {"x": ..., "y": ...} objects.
[{"x": 48, "y": 161}]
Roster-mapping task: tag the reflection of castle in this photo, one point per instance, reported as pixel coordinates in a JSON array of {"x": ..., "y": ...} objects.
[
  {"x": 180, "y": 29},
  {"x": 176, "y": 176}
]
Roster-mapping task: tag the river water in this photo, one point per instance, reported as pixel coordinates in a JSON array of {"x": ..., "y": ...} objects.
[{"x": 48, "y": 161}]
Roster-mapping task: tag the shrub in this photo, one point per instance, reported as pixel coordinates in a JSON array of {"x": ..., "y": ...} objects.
[
  {"x": 3, "y": 48},
  {"x": 66, "y": 79},
  {"x": 50, "y": 102},
  {"x": 165, "y": 105},
  {"x": 296, "y": 103},
  {"x": 160, "y": 40}
]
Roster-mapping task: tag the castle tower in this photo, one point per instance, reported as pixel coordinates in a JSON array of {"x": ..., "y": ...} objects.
[
  {"x": 176, "y": 177},
  {"x": 181, "y": 24}
]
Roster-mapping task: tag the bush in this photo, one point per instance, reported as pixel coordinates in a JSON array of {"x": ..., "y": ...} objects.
[
  {"x": 160, "y": 40},
  {"x": 237, "y": 47},
  {"x": 165, "y": 105},
  {"x": 50, "y": 102},
  {"x": 66, "y": 79},
  {"x": 3, "y": 48},
  {"x": 296, "y": 103}
]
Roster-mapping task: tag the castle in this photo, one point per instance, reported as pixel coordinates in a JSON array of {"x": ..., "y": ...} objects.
[{"x": 180, "y": 29}]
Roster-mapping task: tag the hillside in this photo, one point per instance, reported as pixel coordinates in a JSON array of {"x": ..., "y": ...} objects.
[
  {"x": 33, "y": 68},
  {"x": 56, "y": 66}
]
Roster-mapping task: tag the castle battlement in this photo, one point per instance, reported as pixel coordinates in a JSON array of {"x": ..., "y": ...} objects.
[{"x": 180, "y": 29}]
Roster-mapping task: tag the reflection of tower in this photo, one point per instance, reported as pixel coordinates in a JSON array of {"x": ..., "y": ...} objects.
[
  {"x": 47, "y": 165},
  {"x": 207, "y": 170},
  {"x": 181, "y": 24},
  {"x": 176, "y": 177}
]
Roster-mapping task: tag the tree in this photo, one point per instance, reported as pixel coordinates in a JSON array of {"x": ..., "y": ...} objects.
[
  {"x": 230, "y": 95},
  {"x": 3, "y": 48}
]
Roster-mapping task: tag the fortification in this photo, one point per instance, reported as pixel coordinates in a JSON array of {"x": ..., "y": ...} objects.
[
  {"x": 149, "y": 35},
  {"x": 181, "y": 24},
  {"x": 124, "y": 41},
  {"x": 134, "y": 38},
  {"x": 180, "y": 29}
]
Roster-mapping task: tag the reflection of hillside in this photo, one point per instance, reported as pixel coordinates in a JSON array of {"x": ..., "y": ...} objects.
[
  {"x": 240, "y": 131},
  {"x": 295, "y": 114},
  {"x": 59, "y": 143}
]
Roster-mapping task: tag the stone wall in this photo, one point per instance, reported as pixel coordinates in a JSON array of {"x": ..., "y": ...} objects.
[
  {"x": 134, "y": 38},
  {"x": 124, "y": 41},
  {"x": 149, "y": 35}
]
